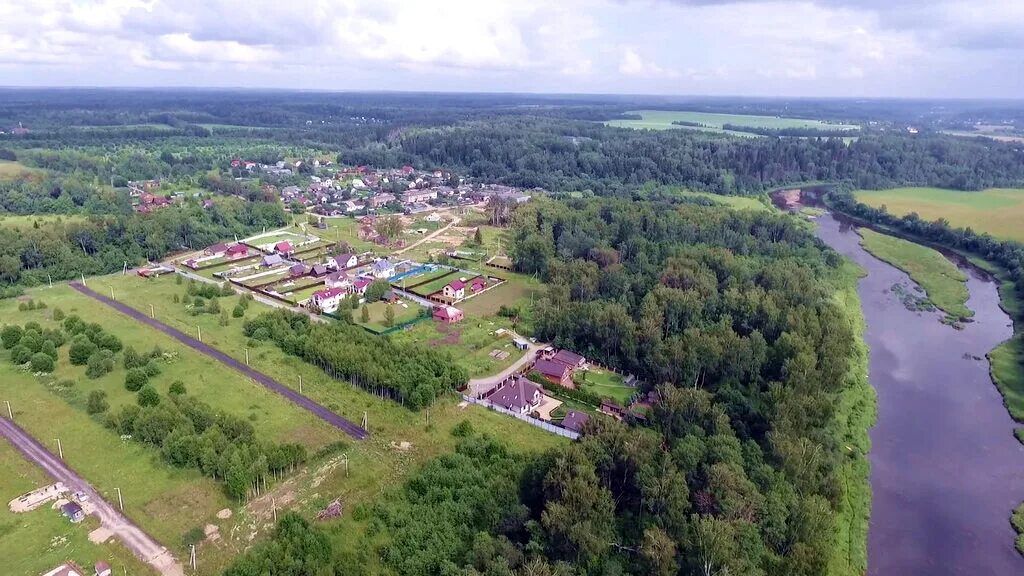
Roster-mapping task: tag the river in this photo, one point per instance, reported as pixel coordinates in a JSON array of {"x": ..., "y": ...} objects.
[{"x": 946, "y": 470}]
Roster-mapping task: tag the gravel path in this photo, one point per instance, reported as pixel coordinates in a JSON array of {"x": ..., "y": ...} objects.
[{"x": 298, "y": 399}]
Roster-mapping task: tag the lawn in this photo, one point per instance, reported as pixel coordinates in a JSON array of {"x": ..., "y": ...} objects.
[
  {"x": 376, "y": 310},
  {"x": 439, "y": 283},
  {"x": 945, "y": 284},
  {"x": 44, "y": 532},
  {"x": 662, "y": 120},
  {"x": 376, "y": 464},
  {"x": 998, "y": 211},
  {"x": 412, "y": 281},
  {"x": 471, "y": 342},
  {"x": 341, "y": 229},
  {"x": 518, "y": 290},
  {"x": 604, "y": 383}
]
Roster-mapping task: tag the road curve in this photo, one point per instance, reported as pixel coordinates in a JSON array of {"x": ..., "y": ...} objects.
[
  {"x": 318, "y": 410},
  {"x": 480, "y": 387},
  {"x": 141, "y": 544}
]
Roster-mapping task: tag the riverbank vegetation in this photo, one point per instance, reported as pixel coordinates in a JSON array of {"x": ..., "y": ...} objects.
[{"x": 942, "y": 281}]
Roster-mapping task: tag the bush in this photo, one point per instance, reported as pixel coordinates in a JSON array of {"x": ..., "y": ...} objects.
[
  {"x": 195, "y": 535},
  {"x": 32, "y": 340},
  {"x": 135, "y": 379},
  {"x": 107, "y": 341},
  {"x": 81, "y": 349},
  {"x": 151, "y": 368},
  {"x": 49, "y": 349},
  {"x": 97, "y": 402},
  {"x": 239, "y": 311},
  {"x": 213, "y": 307},
  {"x": 462, "y": 429},
  {"x": 41, "y": 362},
  {"x": 10, "y": 336},
  {"x": 223, "y": 321},
  {"x": 58, "y": 314},
  {"x": 148, "y": 396},
  {"x": 100, "y": 363},
  {"x": 21, "y": 355},
  {"x": 176, "y": 299},
  {"x": 177, "y": 388}
]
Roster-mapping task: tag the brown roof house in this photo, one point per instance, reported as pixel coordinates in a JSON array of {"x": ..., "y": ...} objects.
[
  {"x": 519, "y": 395},
  {"x": 574, "y": 420},
  {"x": 555, "y": 372},
  {"x": 569, "y": 358}
]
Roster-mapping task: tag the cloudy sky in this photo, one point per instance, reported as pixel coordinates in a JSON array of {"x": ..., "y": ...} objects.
[{"x": 904, "y": 48}]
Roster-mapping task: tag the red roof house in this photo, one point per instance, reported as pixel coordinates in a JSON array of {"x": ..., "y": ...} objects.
[
  {"x": 555, "y": 372},
  {"x": 448, "y": 314},
  {"x": 237, "y": 251},
  {"x": 284, "y": 248},
  {"x": 455, "y": 289},
  {"x": 569, "y": 358}
]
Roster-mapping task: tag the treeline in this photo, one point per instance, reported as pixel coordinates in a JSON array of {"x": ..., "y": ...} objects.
[
  {"x": 191, "y": 434},
  {"x": 66, "y": 249},
  {"x": 792, "y": 132},
  {"x": 411, "y": 374}
]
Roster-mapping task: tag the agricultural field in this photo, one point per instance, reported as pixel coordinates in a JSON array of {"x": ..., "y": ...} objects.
[
  {"x": 45, "y": 532},
  {"x": 997, "y": 211},
  {"x": 17, "y": 171},
  {"x": 663, "y": 120},
  {"x": 472, "y": 342},
  {"x": 165, "y": 501},
  {"x": 604, "y": 383},
  {"x": 404, "y": 312},
  {"x": 377, "y": 464},
  {"x": 944, "y": 283}
]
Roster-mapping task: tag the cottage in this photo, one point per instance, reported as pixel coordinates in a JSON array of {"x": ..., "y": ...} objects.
[
  {"x": 297, "y": 270},
  {"x": 284, "y": 248},
  {"x": 73, "y": 512},
  {"x": 521, "y": 343},
  {"x": 237, "y": 251},
  {"x": 360, "y": 285},
  {"x": 555, "y": 372},
  {"x": 328, "y": 300},
  {"x": 568, "y": 358},
  {"x": 477, "y": 284},
  {"x": 456, "y": 290},
  {"x": 318, "y": 270},
  {"x": 345, "y": 261},
  {"x": 574, "y": 420},
  {"x": 337, "y": 279},
  {"x": 519, "y": 395},
  {"x": 612, "y": 409},
  {"x": 217, "y": 250},
  {"x": 271, "y": 260},
  {"x": 383, "y": 269},
  {"x": 447, "y": 314},
  {"x": 103, "y": 569}
]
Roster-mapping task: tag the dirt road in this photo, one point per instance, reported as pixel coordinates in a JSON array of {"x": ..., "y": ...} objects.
[
  {"x": 479, "y": 387},
  {"x": 427, "y": 238},
  {"x": 294, "y": 397},
  {"x": 140, "y": 543}
]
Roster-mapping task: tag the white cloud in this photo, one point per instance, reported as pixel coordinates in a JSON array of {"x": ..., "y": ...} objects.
[{"x": 632, "y": 64}]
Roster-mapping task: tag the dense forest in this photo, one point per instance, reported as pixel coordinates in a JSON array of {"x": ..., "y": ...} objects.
[{"x": 731, "y": 318}]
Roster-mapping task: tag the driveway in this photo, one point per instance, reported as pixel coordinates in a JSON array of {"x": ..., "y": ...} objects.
[
  {"x": 480, "y": 387},
  {"x": 138, "y": 542}
]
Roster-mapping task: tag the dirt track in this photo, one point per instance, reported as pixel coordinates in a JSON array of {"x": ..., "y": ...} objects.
[{"x": 321, "y": 412}]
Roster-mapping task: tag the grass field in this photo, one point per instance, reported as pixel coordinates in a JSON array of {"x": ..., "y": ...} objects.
[
  {"x": 25, "y": 222},
  {"x": 470, "y": 342},
  {"x": 997, "y": 211},
  {"x": 605, "y": 384},
  {"x": 518, "y": 290},
  {"x": 376, "y": 310},
  {"x": 376, "y": 464},
  {"x": 342, "y": 229},
  {"x": 17, "y": 170},
  {"x": 439, "y": 283},
  {"x": 944, "y": 283},
  {"x": 663, "y": 119},
  {"x": 755, "y": 203},
  {"x": 44, "y": 532}
]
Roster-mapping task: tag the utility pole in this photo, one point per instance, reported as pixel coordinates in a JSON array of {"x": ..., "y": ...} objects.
[
  {"x": 152, "y": 311},
  {"x": 50, "y": 280},
  {"x": 300, "y": 383},
  {"x": 346, "y": 465},
  {"x": 364, "y": 421},
  {"x": 199, "y": 332},
  {"x": 111, "y": 291},
  {"x": 120, "y": 502},
  {"x": 192, "y": 558},
  {"x": 60, "y": 449},
  {"x": 10, "y": 415},
  {"x": 83, "y": 280},
  {"x": 246, "y": 356}
]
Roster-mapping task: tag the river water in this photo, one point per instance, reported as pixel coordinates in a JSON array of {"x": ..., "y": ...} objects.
[{"x": 946, "y": 470}]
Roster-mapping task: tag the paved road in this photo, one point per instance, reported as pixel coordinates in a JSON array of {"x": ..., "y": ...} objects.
[
  {"x": 480, "y": 387},
  {"x": 140, "y": 543},
  {"x": 298, "y": 399}
]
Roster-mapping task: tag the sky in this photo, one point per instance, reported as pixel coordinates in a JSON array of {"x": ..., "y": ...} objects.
[{"x": 812, "y": 48}]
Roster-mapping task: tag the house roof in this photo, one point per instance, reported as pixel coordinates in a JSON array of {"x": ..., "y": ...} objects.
[
  {"x": 343, "y": 259},
  {"x": 362, "y": 283},
  {"x": 516, "y": 394},
  {"x": 71, "y": 509},
  {"x": 457, "y": 284},
  {"x": 328, "y": 293},
  {"x": 552, "y": 368},
  {"x": 567, "y": 357},
  {"x": 283, "y": 246},
  {"x": 66, "y": 569},
  {"x": 574, "y": 420},
  {"x": 381, "y": 265},
  {"x": 298, "y": 269},
  {"x": 272, "y": 259},
  {"x": 447, "y": 312},
  {"x": 337, "y": 276},
  {"x": 220, "y": 247},
  {"x": 237, "y": 249}
]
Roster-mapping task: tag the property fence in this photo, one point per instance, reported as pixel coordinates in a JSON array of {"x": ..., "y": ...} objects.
[{"x": 547, "y": 426}]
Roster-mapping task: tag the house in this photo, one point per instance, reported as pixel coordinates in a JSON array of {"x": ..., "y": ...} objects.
[
  {"x": 103, "y": 569},
  {"x": 237, "y": 251},
  {"x": 383, "y": 268},
  {"x": 389, "y": 297},
  {"x": 328, "y": 300},
  {"x": 555, "y": 372},
  {"x": 519, "y": 395},
  {"x": 477, "y": 284},
  {"x": 407, "y": 170},
  {"x": 360, "y": 285},
  {"x": 456, "y": 290},
  {"x": 297, "y": 270},
  {"x": 337, "y": 279},
  {"x": 284, "y": 248},
  {"x": 318, "y": 270},
  {"x": 73, "y": 512},
  {"x": 217, "y": 250},
  {"x": 612, "y": 409},
  {"x": 66, "y": 569},
  {"x": 379, "y": 200},
  {"x": 271, "y": 260},
  {"x": 447, "y": 314},
  {"x": 569, "y": 359},
  {"x": 574, "y": 420},
  {"x": 433, "y": 217},
  {"x": 367, "y": 221},
  {"x": 345, "y": 261},
  {"x": 414, "y": 196},
  {"x": 521, "y": 343}
]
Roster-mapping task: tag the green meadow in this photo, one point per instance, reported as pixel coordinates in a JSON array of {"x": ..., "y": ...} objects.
[{"x": 997, "y": 211}]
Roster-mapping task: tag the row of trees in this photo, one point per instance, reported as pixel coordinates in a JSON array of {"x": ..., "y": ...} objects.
[{"x": 414, "y": 375}]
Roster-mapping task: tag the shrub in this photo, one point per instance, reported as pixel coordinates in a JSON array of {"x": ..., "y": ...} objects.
[
  {"x": 132, "y": 359},
  {"x": 239, "y": 311},
  {"x": 20, "y": 355},
  {"x": 148, "y": 396},
  {"x": 49, "y": 349},
  {"x": 41, "y": 362},
  {"x": 135, "y": 379},
  {"x": 462, "y": 429},
  {"x": 226, "y": 290},
  {"x": 213, "y": 307},
  {"x": 177, "y": 388},
  {"x": 108, "y": 341},
  {"x": 58, "y": 314},
  {"x": 81, "y": 349},
  {"x": 97, "y": 402},
  {"x": 151, "y": 368},
  {"x": 32, "y": 340},
  {"x": 176, "y": 299},
  {"x": 11, "y": 335},
  {"x": 195, "y": 535},
  {"x": 100, "y": 363}
]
